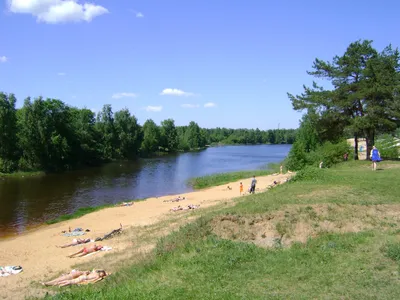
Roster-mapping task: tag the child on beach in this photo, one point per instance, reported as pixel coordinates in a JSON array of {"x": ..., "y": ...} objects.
[{"x": 241, "y": 188}]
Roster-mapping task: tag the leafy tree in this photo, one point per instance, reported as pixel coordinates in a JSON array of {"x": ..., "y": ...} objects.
[
  {"x": 8, "y": 133},
  {"x": 151, "y": 137},
  {"x": 128, "y": 134},
  {"x": 193, "y": 136},
  {"x": 364, "y": 95},
  {"x": 169, "y": 135},
  {"x": 106, "y": 128}
]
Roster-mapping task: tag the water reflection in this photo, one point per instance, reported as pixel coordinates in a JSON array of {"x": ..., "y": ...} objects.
[{"x": 27, "y": 201}]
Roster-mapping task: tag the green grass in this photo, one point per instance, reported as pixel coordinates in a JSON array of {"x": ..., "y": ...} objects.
[
  {"x": 81, "y": 212},
  {"x": 223, "y": 178},
  {"x": 21, "y": 174},
  {"x": 194, "y": 263}
]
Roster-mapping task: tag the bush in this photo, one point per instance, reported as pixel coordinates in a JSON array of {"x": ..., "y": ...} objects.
[
  {"x": 387, "y": 146},
  {"x": 332, "y": 154},
  {"x": 309, "y": 173},
  {"x": 328, "y": 153},
  {"x": 7, "y": 166}
]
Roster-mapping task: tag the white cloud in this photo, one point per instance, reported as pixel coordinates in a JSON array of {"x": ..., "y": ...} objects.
[
  {"x": 139, "y": 15},
  {"x": 57, "y": 11},
  {"x": 175, "y": 92},
  {"x": 153, "y": 108},
  {"x": 61, "y": 74},
  {"x": 187, "y": 105},
  {"x": 123, "y": 95},
  {"x": 3, "y": 59},
  {"x": 210, "y": 104}
]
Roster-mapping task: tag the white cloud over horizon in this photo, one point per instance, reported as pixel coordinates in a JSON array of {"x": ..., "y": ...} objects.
[
  {"x": 188, "y": 105},
  {"x": 57, "y": 11},
  {"x": 210, "y": 104},
  {"x": 175, "y": 92},
  {"x": 3, "y": 59},
  {"x": 139, "y": 15},
  {"x": 123, "y": 95},
  {"x": 61, "y": 74},
  {"x": 153, "y": 108}
]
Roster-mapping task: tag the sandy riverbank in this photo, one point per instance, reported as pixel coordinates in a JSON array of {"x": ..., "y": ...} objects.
[{"x": 37, "y": 253}]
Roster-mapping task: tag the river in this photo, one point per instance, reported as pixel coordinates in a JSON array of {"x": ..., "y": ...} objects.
[{"x": 27, "y": 202}]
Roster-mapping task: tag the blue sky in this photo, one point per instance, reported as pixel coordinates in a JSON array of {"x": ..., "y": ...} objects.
[{"x": 219, "y": 63}]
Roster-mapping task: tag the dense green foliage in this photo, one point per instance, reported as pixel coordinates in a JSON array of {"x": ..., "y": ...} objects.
[
  {"x": 195, "y": 263},
  {"x": 309, "y": 149},
  {"x": 364, "y": 100},
  {"x": 388, "y": 146},
  {"x": 48, "y": 135}
]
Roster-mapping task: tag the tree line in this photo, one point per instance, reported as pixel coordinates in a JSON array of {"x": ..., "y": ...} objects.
[
  {"x": 49, "y": 135},
  {"x": 364, "y": 100}
]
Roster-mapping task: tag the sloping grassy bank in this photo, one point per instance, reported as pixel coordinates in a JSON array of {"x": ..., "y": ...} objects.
[
  {"x": 197, "y": 263},
  {"x": 223, "y": 178},
  {"x": 84, "y": 211},
  {"x": 22, "y": 174}
]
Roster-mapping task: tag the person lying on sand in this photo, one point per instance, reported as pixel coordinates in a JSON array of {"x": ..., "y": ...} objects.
[
  {"x": 71, "y": 275},
  {"x": 86, "y": 251},
  {"x": 85, "y": 278},
  {"x": 275, "y": 183},
  {"x": 124, "y": 204},
  {"x": 190, "y": 206},
  {"x": 76, "y": 242},
  {"x": 175, "y": 199}
]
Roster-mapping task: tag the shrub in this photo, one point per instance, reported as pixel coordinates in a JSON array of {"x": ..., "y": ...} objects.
[
  {"x": 328, "y": 152},
  {"x": 387, "y": 146}
]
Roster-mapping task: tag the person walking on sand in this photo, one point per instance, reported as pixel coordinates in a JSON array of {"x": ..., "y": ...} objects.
[
  {"x": 375, "y": 157},
  {"x": 281, "y": 169},
  {"x": 253, "y": 185},
  {"x": 241, "y": 188}
]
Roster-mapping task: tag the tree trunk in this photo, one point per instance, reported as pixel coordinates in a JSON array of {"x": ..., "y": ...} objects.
[
  {"x": 369, "y": 141},
  {"x": 355, "y": 147}
]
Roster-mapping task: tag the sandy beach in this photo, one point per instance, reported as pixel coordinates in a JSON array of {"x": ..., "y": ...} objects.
[{"x": 37, "y": 253}]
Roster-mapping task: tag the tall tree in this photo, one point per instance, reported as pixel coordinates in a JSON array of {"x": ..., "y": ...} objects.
[
  {"x": 128, "y": 134},
  {"x": 105, "y": 125},
  {"x": 353, "y": 102},
  {"x": 8, "y": 133},
  {"x": 151, "y": 137},
  {"x": 169, "y": 135}
]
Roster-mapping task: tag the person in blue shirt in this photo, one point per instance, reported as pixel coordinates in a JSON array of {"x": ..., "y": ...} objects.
[{"x": 375, "y": 157}]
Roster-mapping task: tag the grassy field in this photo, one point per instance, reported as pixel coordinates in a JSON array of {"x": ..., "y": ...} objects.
[
  {"x": 21, "y": 174},
  {"x": 223, "y": 178},
  {"x": 83, "y": 211},
  {"x": 327, "y": 234}
]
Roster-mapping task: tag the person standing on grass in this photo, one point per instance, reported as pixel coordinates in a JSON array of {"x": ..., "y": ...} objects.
[
  {"x": 253, "y": 185},
  {"x": 241, "y": 188},
  {"x": 375, "y": 157}
]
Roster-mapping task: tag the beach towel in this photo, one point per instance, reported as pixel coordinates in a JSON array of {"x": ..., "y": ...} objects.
[{"x": 10, "y": 270}]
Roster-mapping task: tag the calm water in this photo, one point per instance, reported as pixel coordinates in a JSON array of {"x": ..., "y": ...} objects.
[{"x": 29, "y": 201}]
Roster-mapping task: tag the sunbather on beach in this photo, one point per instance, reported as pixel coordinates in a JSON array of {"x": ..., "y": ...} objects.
[
  {"x": 86, "y": 251},
  {"x": 124, "y": 204},
  {"x": 92, "y": 277},
  {"x": 179, "y": 198},
  {"x": 76, "y": 242},
  {"x": 71, "y": 275},
  {"x": 190, "y": 206}
]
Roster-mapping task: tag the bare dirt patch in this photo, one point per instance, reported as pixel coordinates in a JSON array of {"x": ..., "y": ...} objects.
[{"x": 301, "y": 222}]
